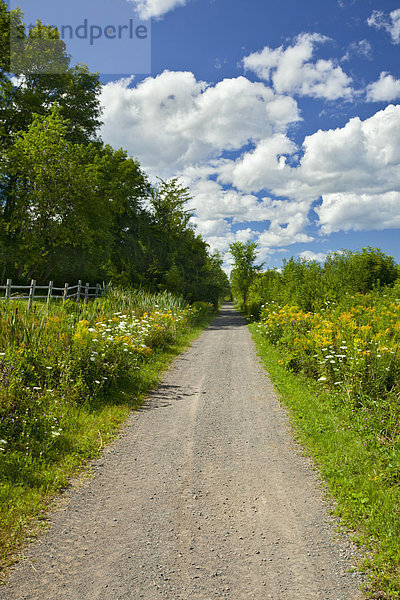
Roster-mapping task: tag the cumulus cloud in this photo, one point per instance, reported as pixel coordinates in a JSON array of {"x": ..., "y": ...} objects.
[
  {"x": 213, "y": 202},
  {"x": 361, "y": 157},
  {"x": 358, "y": 212},
  {"x": 313, "y": 256},
  {"x": 386, "y": 89},
  {"x": 179, "y": 126},
  {"x": 359, "y": 160},
  {"x": 173, "y": 120},
  {"x": 288, "y": 224},
  {"x": 263, "y": 167},
  {"x": 155, "y": 8},
  {"x": 218, "y": 211},
  {"x": 389, "y": 22},
  {"x": 295, "y": 71}
]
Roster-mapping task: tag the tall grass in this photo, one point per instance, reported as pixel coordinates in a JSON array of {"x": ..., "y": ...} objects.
[
  {"x": 68, "y": 378},
  {"x": 346, "y": 403}
]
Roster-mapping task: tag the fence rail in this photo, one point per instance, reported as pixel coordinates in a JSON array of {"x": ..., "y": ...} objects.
[{"x": 78, "y": 292}]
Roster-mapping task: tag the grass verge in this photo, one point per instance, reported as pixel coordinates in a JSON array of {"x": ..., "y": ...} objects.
[
  {"x": 368, "y": 504},
  {"x": 28, "y": 489}
]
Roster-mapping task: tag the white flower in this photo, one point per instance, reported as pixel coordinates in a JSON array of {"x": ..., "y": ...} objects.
[{"x": 322, "y": 379}]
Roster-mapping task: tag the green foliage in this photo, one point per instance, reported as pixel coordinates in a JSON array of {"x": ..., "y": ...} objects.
[
  {"x": 244, "y": 270},
  {"x": 356, "y": 444},
  {"x": 346, "y": 351},
  {"x": 72, "y": 208},
  {"x": 309, "y": 285},
  {"x": 54, "y": 204},
  {"x": 68, "y": 378}
]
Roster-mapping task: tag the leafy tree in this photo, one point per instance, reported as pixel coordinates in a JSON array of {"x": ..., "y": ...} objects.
[
  {"x": 244, "y": 270},
  {"x": 54, "y": 220},
  {"x": 362, "y": 271},
  {"x": 71, "y": 207},
  {"x": 216, "y": 282},
  {"x": 44, "y": 77},
  {"x": 169, "y": 227}
]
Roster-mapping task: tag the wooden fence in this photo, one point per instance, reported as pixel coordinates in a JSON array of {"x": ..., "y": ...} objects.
[{"x": 47, "y": 292}]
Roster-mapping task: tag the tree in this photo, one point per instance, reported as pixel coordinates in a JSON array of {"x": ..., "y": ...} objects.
[
  {"x": 42, "y": 78},
  {"x": 361, "y": 271},
  {"x": 169, "y": 229},
  {"x": 54, "y": 220},
  {"x": 244, "y": 270}
]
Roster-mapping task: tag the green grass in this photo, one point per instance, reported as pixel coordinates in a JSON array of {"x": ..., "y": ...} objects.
[
  {"x": 357, "y": 473},
  {"x": 30, "y": 483}
]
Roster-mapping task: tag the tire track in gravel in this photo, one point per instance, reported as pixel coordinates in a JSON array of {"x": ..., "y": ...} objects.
[{"x": 204, "y": 496}]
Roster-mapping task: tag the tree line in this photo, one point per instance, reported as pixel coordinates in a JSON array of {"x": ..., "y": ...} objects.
[
  {"x": 307, "y": 284},
  {"x": 73, "y": 207}
]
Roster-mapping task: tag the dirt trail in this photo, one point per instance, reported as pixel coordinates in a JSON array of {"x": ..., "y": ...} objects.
[{"x": 204, "y": 496}]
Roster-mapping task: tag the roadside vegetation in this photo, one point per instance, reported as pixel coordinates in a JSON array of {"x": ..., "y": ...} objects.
[
  {"x": 68, "y": 379},
  {"x": 73, "y": 208},
  {"x": 329, "y": 335}
]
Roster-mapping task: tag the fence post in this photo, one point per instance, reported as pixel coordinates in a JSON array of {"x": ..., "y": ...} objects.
[
  {"x": 49, "y": 293},
  {"x": 105, "y": 290},
  {"x": 65, "y": 294},
  {"x": 86, "y": 293},
  {"x": 31, "y": 293},
  {"x": 97, "y": 290},
  {"x": 8, "y": 290},
  {"x": 78, "y": 293}
]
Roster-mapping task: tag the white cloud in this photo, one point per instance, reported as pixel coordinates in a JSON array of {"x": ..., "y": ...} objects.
[
  {"x": 313, "y": 256},
  {"x": 288, "y": 223},
  {"x": 390, "y": 23},
  {"x": 359, "y": 212},
  {"x": 361, "y": 48},
  {"x": 178, "y": 126},
  {"x": 359, "y": 160},
  {"x": 362, "y": 157},
  {"x": 264, "y": 167},
  {"x": 386, "y": 89},
  {"x": 284, "y": 220},
  {"x": 293, "y": 70},
  {"x": 155, "y": 8},
  {"x": 172, "y": 120}
]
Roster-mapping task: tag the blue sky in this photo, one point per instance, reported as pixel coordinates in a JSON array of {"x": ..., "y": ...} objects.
[{"x": 283, "y": 117}]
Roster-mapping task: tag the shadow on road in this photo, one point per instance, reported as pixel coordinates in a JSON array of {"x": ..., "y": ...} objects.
[
  {"x": 228, "y": 318},
  {"x": 164, "y": 395}
]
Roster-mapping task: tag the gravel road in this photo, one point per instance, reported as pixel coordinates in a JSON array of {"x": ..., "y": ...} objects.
[{"x": 204, "y": 496}]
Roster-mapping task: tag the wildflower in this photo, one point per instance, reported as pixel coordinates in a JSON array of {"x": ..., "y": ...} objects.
[{"x": 322, "y": 379}]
